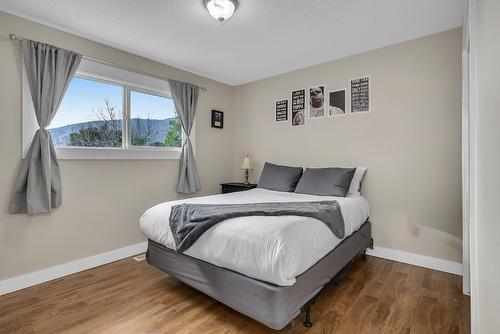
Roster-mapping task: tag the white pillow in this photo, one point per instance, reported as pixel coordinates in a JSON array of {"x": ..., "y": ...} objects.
[{"x": 357, "y": 179}]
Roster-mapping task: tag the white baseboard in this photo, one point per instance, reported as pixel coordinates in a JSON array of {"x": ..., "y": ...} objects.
[
  {"x": 41, "y": 276},
  {"x": 417, "y": 260}
]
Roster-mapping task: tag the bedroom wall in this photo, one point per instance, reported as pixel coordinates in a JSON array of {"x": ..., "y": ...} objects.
[
  {"x": 410, "y": 142},
  {"x": 486, "y": 26},
  {"x": 102, "y": 200}
]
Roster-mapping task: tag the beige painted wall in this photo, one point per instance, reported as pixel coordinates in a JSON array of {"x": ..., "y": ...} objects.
[
  {"x": 102, "y": 200},
  {"x": 486, "y": 41},
  {"x": 410, "y": 143}
]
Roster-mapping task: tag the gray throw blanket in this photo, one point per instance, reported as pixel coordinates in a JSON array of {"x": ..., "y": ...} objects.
[{"x": 189, "y": 221}]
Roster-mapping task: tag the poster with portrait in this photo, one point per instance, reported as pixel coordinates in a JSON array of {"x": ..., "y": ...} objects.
[
  {"x": 336, "y": 104},
  {"x": 281, "y": 111},
  {"x": 298, "y": 107},
  {"x": 360, "y": 95},
  {"x": 317, "y": 101}
]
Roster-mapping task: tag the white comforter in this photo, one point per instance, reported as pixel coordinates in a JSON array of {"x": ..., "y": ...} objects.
[{"x": 271, "y": 249}]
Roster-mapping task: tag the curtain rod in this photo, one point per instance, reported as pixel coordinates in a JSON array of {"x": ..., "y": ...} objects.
[{"x": 14, "y": 37}]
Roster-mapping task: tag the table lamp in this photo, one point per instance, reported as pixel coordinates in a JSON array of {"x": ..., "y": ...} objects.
[{"x": 246, "y": 166}]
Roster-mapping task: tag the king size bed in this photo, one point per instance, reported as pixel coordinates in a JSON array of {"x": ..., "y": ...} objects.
[{"x": 268, "y": 267}]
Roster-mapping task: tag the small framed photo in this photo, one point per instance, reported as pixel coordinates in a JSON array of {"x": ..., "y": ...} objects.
[
  {"x": 298, "y": 107},
  {"x": 281, "y": 111},
  {"x": 317, "y": 101},
  {"x": 337, "y": 103},
  {"x": 360, "y": 95},
  {"x": 217, "y": 119}
]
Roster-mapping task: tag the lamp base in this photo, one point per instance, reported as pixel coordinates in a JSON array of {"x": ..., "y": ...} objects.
[{"x": 246, "y": 177}]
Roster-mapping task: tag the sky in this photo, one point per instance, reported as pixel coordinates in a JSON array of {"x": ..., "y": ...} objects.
[{"x": 83, "y": 95}]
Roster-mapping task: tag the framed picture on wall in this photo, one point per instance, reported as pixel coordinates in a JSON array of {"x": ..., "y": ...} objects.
[
  {"x": 217, "y": 119},
  {"x": 281, "y": 111},
  {"x": 360, "y": 95},
  {"x": 317, "y": 101},
  {"x": 337, "y": 103},
  {"x": 298, "y": 107}
]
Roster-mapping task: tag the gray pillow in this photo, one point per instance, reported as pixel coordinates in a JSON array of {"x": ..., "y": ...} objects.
[
  {"x": 325, "y": 181},
  {"x": 279, "y": 178}
]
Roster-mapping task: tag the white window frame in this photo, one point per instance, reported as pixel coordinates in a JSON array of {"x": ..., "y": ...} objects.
[{"x": 127, "y": 151}]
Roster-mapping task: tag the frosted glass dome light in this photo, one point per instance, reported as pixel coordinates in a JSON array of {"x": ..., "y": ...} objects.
[{"x": 221, "y": 9}]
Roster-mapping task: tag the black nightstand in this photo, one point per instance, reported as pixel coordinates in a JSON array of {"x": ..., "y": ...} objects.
[{"x": 232, "y": 187}]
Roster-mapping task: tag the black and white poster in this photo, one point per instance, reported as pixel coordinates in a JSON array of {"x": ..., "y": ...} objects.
[
  {"x": 317, "y": 101},
  {"x": 281, "y": 110},
  {"x": 336, "y": 105},
  {"x": 298, "y": 107},
  {"x": 217, "y": 119},
  {"x": 360, "y": 95}
]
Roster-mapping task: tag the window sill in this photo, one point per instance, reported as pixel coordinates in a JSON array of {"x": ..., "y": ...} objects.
[{"x": 146, "y": 153}]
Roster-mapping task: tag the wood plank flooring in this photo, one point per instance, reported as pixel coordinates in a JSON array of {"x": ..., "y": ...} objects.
[{"x": 376, "y": 296}]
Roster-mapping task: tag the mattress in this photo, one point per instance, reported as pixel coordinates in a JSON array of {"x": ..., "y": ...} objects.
[{"x": 271, "y": 249}]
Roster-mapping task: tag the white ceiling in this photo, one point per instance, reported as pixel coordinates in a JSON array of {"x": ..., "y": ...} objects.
[{"x": 264, "y": 37}]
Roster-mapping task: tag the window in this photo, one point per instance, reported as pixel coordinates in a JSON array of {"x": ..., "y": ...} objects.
[
  {"x": 90, "y": 115},
  {"x": 154, "y": 121},
  {"x": 110, "y": 113}
]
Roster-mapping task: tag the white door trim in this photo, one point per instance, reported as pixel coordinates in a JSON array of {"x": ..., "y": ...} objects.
[{"x": 469, "y": 165}]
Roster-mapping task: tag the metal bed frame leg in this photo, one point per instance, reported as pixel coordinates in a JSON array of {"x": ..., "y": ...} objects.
[
  {"x": 339, "y": 277},
  {"x": 307, "y": 322},
  {"x": 363, "y": 253},
  {"x": 336, "y": 280}
]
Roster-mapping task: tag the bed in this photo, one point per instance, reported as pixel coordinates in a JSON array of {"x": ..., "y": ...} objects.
[{"x": 268, "y": 268}]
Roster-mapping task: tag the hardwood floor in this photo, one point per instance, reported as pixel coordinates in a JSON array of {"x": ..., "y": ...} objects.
[{"x": 376, "y": 296}]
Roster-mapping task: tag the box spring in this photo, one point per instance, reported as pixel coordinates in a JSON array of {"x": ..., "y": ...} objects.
[{"x": 272, "y": 305}]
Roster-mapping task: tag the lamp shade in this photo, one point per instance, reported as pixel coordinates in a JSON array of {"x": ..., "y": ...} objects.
[
  {"x": 246, "y": 163},
  {"x": 221, "y": 9}
]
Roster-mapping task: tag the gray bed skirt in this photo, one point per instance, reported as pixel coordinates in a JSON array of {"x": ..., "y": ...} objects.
[{"x": 273, "y": 305}]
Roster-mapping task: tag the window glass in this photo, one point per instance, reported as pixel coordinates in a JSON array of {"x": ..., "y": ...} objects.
[
  {"x": 153, "y": 121},
  {"x": 90, "y": 115}
]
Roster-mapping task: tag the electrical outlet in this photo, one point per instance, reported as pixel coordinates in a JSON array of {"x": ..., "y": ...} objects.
[
  {"x": 414, "y": 231},
  {"x": 140, "y": 257}
]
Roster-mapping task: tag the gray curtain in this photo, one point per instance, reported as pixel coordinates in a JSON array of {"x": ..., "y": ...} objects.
[
  {"x": 49, "y": 71},
  {"x": 186, "y": 99}
]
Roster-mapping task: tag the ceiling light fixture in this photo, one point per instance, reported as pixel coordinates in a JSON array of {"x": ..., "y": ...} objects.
[{"x": 221, "y": 9}]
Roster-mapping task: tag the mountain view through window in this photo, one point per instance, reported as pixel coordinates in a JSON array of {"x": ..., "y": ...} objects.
[{"x": 91, "y": 115}]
